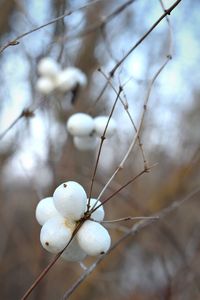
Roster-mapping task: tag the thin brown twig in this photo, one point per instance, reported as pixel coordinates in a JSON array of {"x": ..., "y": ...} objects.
[
  {"x": 117, "y": 65},
  {"x": 50, "y": 265},
  {"x": 132, "y": 232},
  {"x": 126, "y": 108},
  {"x": 15, "y": 41},
  {"x": 122, "y": 187},
  {"x": 27, "y": 113},
  {"x": 121, "y": 165},
  {"x": 100, "y": 148},
  {"x": 167, "y": 12},
  {"x": 128, "y": 219}
]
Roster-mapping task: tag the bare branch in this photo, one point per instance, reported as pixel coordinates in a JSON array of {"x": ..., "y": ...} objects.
[{"x": 132, "y": 232}]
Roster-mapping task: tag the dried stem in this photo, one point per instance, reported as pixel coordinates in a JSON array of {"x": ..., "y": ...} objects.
[
  {"x": 132, "y": 232},
  {"x": 100, "y": 148},
  {"x": 121, "y": 165},
  {"x": 15, "y": 41},
  {"x": 114, "y": 69},
  {"x": 126, "y": 108},
  {"x": 50, "y": 265},
  {"x": 25, "y": 113},
  {"x": 128, "y": 219}
]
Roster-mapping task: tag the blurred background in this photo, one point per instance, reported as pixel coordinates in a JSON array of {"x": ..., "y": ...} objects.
[{"x": 37, "y": 154}]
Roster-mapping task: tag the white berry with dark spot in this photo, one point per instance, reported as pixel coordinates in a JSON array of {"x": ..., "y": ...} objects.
[
  {"x": 70, "y": 200},
  {"x": 93, "y": 238},
  {"x": 55, "y": 234}
]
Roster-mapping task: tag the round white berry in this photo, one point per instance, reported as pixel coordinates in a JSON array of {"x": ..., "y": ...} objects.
[
  {"x": 80, "y": 124},
  {"x": 100, "y": 125},
  {"x": 93, "y": 238},
  {"x": 70, "y": 200},
  {"x": 48, "y": 67},
  {"x": 45, "y": 210},
  {"x": 69, "y": 78},
  {"x": 97, "y": 215},
  {"x": 73, "y": 252},
  {"x": 85, "y": 143},
  {"x": 55, "y": 234},
  {"x": 45, "y": 85}
]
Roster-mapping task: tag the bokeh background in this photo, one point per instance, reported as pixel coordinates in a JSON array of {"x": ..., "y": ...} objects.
[{"x": 37, "y": 154}]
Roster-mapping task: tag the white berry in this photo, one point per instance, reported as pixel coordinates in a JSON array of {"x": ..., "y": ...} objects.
[
  {"x": 45, "y": 210},
  {"x": 45, "y": 85},
  {"x": 85, "y": 143},
  {"x": 80, "y": 124},
  {"x": 70, "y": 200},
  {"x": 73, "y": 252},
  {"x": 69, "y": 78},
  {"x": 100, "y": 125},
  {"x": 48, "y": 67},
  {"x": 93, "y": 238},
  {"x": 55, "y": 234},
  {"x": 97, "y": 215}
]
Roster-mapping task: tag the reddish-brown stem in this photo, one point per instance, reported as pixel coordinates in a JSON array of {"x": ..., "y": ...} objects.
[
  {"x": 50, "y": 265},
  {"x": 100, "y": 148},
  {"x": 121, "y": 188}
]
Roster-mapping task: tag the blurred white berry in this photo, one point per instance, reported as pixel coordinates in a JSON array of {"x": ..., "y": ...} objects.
[
  {"x": 93, "y": 238},
  {"x": 45, "y": 210},
  {"x": 80, "y": 124},
  {"x": 97, "y": 215},
  {"x": 100, "y": 125},
  {"x": 48, "y": 67},
  {"x": 45, "y": 85},
  {"x": 85, "y": 143},
  {"x": 70, "y": 200},
  {"x": 69, "y": 78},
  {"x": 73, "y": 252},
  {"x": 55, "y": 234}
]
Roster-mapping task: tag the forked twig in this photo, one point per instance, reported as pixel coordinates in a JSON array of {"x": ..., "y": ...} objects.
[
  {"x": 100, "y": 148},
  {"x": 132, "y": 232}
]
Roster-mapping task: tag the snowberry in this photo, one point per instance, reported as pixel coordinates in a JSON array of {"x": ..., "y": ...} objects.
[
  {"x": 93, "y": 238},
  {"x": 45, "y": 210},
  {"x": 85, "y": 142},
  {"x": 70, "y": 200},
  {"x": 73, "y": 252},
  {"x": 45, "y": 85},
  {"x": 97, "y": 215},
  {"x": 80, "y": 124},
  {"x": 48, "y": 67},
  {"x": 100, "y": 125},
  {"x": 56, "y": 233},
  {"x": 69, "y": 78}
]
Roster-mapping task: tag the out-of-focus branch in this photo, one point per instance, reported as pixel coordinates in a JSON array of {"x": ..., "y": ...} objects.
[{"x": 15, "y": 41}]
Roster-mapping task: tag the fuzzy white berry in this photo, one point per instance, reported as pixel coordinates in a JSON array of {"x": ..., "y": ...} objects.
[
  {"x": 80, "y": 124},
  {"x": 56, "y": 233},
  {"x": 70, "y": 200},
  {"x": 48, "y": 67},
  {"x": 45, "y": 210},
  {"x": 93, "y": 238},
  {"x": 100, "y": 125},
  {"x": 97, "y": 215},
  {"x": 45, "y": 85},
  {"x": 73, "y": 252},
  {"x": 85, "y": 143},
  {"x": 69, "y": 78}
]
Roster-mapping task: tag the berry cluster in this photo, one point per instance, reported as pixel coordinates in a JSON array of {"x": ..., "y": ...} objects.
[
  {"x": 86, "y": 129},
  {"x": 59, "y": 216},
  {"x": 52, "y": 77}
]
